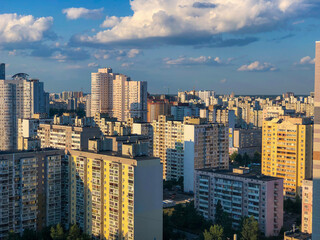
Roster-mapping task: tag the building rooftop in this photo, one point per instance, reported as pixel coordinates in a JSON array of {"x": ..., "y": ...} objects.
[
  {"x": 30, "y": 151},
  {"x": 298, "y": 235},
  {"x": 116, "y": 154},
  {"x": 250, "y": 175}
]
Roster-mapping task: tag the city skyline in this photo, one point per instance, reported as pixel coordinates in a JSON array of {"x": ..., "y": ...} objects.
[{"x": 61, "y": 43}]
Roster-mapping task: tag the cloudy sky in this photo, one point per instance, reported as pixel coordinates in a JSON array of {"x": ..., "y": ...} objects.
[{"x": 247, "y": 46}]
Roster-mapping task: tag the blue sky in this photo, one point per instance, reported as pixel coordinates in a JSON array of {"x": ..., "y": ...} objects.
[{"x": 249, "y": 46}]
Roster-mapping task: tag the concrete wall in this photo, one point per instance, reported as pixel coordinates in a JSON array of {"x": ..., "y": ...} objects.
[
  {"x": 148, "y": 196},
  {"x": 188, "y": 171}
]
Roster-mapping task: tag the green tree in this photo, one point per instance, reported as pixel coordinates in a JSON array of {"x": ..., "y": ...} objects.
[
  {"x": 223, "y": 219},
  {"x": 13, "y": 236},
  {"x": 29, "y": 234},
  {"x": 74, "y": 233},
  {"x": 257, "y": 157},
  {"x": 245, "y": 159},
  {"x": 233, "y": 156},
  {"x": 218, "y": 214},
  {"x": 57, "y": 233},
  {"x": 249, "y": 228},
  {"x": 215, "y": 233},
  {"x": 238, "y": 159}
]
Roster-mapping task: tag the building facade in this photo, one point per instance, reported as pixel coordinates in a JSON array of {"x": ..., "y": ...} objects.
[
  {"x": 66, "y": 136},
  {"x": 31, "y": 190},
  {"x": 185, "y": 146},
  {"x": 287, "y": 152},
  {"x": 316, "y": 149},
  {"x": 116, "y": 197},
  {"x": 117, "y": 95},
  {"x": 20, "y": 98},
  {"x": 306, "y": 216},
  {"x": 2, "y": 71},
  {"x": 247, "y": 141},
  {"x": 240, "y": 194}
]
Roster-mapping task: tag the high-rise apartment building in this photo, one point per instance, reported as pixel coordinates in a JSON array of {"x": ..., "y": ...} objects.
[
  {"x": 316, "y": 149},
  {"x": 102, "y": 91},
  {"x": 158, "y": 107},
  {"x": 30, "y": 190},
  {"x": 116, "y": 196},
  {"x": 185, "y": 146},
  {"x": 247, "y": 141},
  {"x": 306, "y": 215},
  {"x": 2, "y": 71},
  {"x": 287, "y": 152},
  {"x": 241, "y": 193},
  {"x": 117, "y": 95},
  {"x": 19, "y": 98}
]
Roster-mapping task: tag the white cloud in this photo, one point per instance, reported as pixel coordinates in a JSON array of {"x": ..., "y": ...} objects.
[
  {"x": 117, "y": 54},
  {"x": 59, "y": 57},
  {"x": 133, "y": 53},
  {"x": 13, "y": 52},
  {"x": 306, "y": 60},
  {"x": 110, "y": 22},
  {"x": 16, "y": 28},
  {"x": 73, "y": 67},
  {"x": 170, "y": 18},
  {"x": 127, "y": 64},
  {"x": 194, "y": 61},
  {"x": 93, "y": 64},
  {"x": 75, "y": 13},
  {"x": 258, "y": 67}
]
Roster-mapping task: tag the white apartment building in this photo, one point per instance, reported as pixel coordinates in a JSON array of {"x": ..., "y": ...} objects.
[{"x": 20, "y": 98}]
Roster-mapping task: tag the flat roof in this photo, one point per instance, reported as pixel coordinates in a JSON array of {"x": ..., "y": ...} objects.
[
  {"x": 250, "y": 175},
  {"x": 30, "y": 151},
  {"x": 298, "y": 235},
  {"x": 115, "y": 154}
]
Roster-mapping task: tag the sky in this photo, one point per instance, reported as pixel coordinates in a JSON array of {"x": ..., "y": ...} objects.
[{"x": 247, "y": 47}]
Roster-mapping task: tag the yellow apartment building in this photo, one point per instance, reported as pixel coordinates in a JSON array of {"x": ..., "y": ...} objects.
[
  {"x": 116, "y": 196},
  {"x": 287, "y": 151}
]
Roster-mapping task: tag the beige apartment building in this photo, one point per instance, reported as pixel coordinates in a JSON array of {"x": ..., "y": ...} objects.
[
  {"x": 306, "y": 215},
  {"x": 117, "y": 95},
  {"x": 116, "y": 196},
  {"x": 287, "y": 151},
  {"x": 66, "y": 136},
  {"x": 189, "y": 145}
]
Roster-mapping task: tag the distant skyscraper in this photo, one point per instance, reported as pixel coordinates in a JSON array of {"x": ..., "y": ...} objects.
[
  {"x": 2, "y": 71},
  {"x": 316, "y": 150},
  {"x": 117, "y": 95},
  {"x": 19, "y": 98}
]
